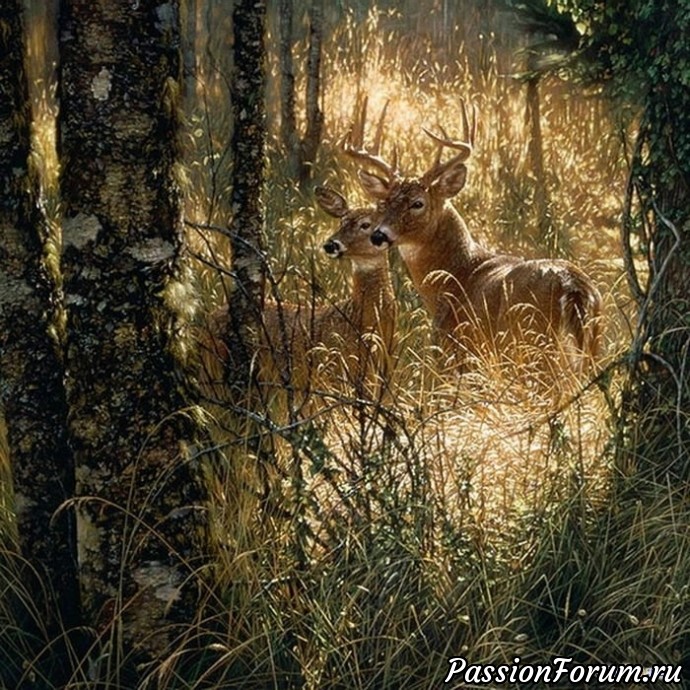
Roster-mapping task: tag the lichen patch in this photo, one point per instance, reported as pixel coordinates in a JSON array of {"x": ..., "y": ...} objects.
[
  {"x": 152, "y": 251},
  {"x": 101, "y": 85},
  {"x": 78, "y": 231},
  {"x": 12, "y": 290},
  {"x": 162, "y": 579}
]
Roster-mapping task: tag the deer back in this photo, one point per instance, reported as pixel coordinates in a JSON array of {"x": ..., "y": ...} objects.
[{"x": 477, "y": 298}]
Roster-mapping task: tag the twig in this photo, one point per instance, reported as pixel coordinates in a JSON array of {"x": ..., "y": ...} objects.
[
  {"x": 639, "y": 338},
  {"x": 630, "y": 271}
]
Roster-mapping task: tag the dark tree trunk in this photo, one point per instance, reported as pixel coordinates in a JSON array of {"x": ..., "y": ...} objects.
[
  {"x": 141, "y": 520},
  {"x": 312, "y": 136},
  {"x": 248, "y": 148},
  {"x": 190, "y": 61},
  {"x": 288, "y": 120},
  {"x": 542, "y": 199},
  {"x": 300, "y": 153},
  {"x": 660, "y": 397},
  {"x": 31, "y": 372}
]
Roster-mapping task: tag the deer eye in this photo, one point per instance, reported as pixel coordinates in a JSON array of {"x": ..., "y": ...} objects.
[
  {"x": 417, "y": 204},
  {"x": 364, "y": 225}
]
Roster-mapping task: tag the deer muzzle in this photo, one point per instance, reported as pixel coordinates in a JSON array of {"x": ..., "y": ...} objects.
[
  {"x": 334, "y": 248},
  {"x": 379, "y": 237}
]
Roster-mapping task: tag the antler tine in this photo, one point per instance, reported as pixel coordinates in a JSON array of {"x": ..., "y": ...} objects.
[
  {"x": 354, "y": 145},
  {"x": 439, "y": 149},
  {"x": 464, "y": 146},
  {"x": 376, "y": 161},
  {"x": 465, "y": 121},
  {"x": 341, "y": 142},
  {"x": 362, "y": 121},
  {"x": 437, "y": 160},
  {"x": 469, "y": 131}
]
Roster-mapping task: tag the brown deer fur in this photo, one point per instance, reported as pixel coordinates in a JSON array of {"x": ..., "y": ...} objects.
[
  {"x": 351, "y": 339},
  {"x": 477, "y": 297}
]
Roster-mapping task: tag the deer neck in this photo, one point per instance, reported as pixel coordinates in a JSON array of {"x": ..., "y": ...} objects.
[
  {"x": 372, "y": 293},
  {"x": 441, "y": 260}
]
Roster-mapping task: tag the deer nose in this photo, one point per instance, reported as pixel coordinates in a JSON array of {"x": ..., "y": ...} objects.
[
  {"x": 333, "y": 248},
  {"x": 378, "y": 237}
]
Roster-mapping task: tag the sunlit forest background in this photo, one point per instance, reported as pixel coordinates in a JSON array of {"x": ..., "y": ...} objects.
[
  {"x": 362, "y": 543},
  {"x": 485, "y": 449}
]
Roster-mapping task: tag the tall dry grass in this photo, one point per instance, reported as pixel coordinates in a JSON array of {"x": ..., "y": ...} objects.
[
  {"x": 586, "y": 176},
  {"x": 418, "y": 527}
]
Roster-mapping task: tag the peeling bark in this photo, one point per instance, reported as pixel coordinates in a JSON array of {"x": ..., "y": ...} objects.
[
  {"x": 142, "y": 521},
  {"x": 248, "y": 147},
  {"x": 31, "y": 373}
]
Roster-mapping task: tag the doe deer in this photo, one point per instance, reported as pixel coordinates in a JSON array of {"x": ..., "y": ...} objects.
[
  {"x": 354, "y": 336},
  {"x": 477, "y": 297}
]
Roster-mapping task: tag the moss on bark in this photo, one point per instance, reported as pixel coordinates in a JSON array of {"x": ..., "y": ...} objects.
[
  {"x": 248, "y": 147},
  {"x": 142, "y": 515}
]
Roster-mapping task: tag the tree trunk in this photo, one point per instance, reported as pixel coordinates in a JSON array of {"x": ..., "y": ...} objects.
[
  {"x": 300, "y": 153},
  {"x": 658, "y": 402},
  {"x": 312, "y": 137},
  {"x": 248, "y": 148},
  {"x": 141, "y": 520},
  {"x": 190, "y": 66},
  {"x": 31, "y": 370},
  {"x": 542, "y": 200},
  {"x": 288, "y": 122}
]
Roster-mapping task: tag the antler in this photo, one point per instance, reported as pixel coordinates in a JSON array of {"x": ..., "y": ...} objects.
[
  {"x": 464, "y": 147},
  {"x": 354, "y": 141}
]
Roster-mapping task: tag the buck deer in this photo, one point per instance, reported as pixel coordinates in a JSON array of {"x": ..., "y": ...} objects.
[
  {"x": 357, "y": 333},
  {"x": 477, "y": 297}
]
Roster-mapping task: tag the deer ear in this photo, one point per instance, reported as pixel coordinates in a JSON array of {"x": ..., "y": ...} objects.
[
  {"x": 451, "y": 181},
  {"x": 331, "y": 202},
  {"x": 374, "y": 185}
]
